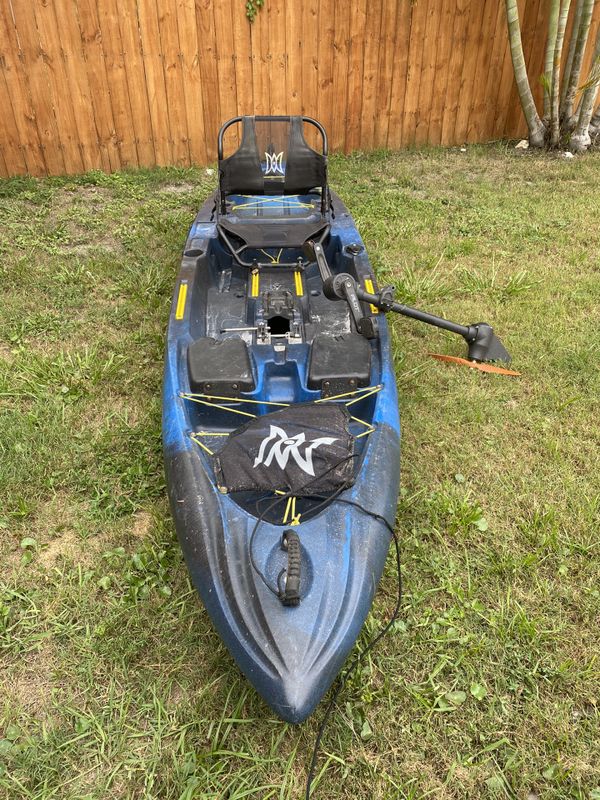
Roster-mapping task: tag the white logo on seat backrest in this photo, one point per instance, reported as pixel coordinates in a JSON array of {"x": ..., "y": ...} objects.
[
  {"x": 274, "y": 163},
  {"x": 284, "y": 446}
]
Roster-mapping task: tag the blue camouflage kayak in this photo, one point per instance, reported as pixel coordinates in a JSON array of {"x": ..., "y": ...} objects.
[{"x": 280, "y": 417}]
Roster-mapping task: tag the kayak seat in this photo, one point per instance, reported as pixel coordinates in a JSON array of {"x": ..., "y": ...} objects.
[
  {"x": 273, "y": 158},
  {"x": 220, "y": 366},
  {"x": 273, "y": 188},
  {"x": 339, "y": 363}
]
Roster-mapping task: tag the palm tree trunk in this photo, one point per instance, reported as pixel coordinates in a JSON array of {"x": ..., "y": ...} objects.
[
  {"x": 572, "y": 43},
  {"x": 549, "y": 59},
  {"x": 534, "y": 123},
  {"x": 555, "y": 87},
  {"x": 595, "y": 123},
  {"x": 579, "y": 38},
  {"x": 581, "y": 139}
]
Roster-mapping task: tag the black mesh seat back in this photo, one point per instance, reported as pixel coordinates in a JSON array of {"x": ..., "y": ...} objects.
[
  {"x": 241, "y": 173},
  {"x": 273, "y": 158}
]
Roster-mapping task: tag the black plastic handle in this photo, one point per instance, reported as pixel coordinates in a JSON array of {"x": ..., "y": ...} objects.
[{"x": 290, "y": 595}]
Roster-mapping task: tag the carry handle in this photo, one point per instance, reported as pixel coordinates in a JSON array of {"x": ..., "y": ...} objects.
[{"x": 290, "y": 594}]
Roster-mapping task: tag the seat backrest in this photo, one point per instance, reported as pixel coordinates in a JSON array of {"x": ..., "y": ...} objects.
[{"x": 273, "y": 158}]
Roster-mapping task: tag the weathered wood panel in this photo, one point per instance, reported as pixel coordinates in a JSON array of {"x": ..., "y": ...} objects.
[{"x": 107, "y": 84}]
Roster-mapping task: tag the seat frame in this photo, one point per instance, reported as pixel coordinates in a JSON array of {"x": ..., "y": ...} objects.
[{"x": 292, "y": 230}]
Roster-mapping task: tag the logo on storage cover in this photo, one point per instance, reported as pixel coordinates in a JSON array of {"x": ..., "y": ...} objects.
[
  {"x": 274, "y": 163},
  {"x": 280, "y": 447}
]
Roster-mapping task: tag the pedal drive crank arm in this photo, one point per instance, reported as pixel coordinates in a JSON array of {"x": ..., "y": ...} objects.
[{"x": 313, "y": 251}]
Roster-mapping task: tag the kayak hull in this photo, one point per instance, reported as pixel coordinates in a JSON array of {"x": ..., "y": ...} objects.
[{"x": 291, "y": 655}]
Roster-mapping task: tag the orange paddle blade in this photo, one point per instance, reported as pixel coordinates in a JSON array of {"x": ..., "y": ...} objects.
[{"x": 482, "y": 367}]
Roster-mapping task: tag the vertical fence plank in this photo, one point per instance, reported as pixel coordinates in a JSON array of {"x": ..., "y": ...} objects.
[
  {"x": 399, "y": 72},
  {"x": 243, "y": 58},
  {"x": 413, "y": 74},
  {"x": 62, "y": 100},
  {"x": 371, "y": 46},
  {"x": 137, "y": 84},
  {"x": 455, "y": 67},
  {"x": 326, "y": 99},
  {"x": 469, "y": 79},
  {"x": 108, "y": 15},
  {"x": 226, "y": 86},
  {"x": 293, "y": 46},
  {"x": 485, "y": 112},
  {"x": 172, "y": 65},
  {"x": 441, "y": 74},
  {"x": 4, "y": 171},
  {"x": 337, "y": 138},
  {"x": 32, "y": 56},
  {"x": 29, "y": 156},
  {"x": 260, "y": 83},
  {"x": 483, "y": 48},
  {"x": 385, "y": 68},
  {"x": 157, "y": 91},
  {"x": 355, "y": 73},
  {"x": 310, "y": 52},
  {"x": 276, "y": 25},
  {"x": 91, "y": 38},
  {"x": 192, "y": 82},
  {"x": 427, "y": 82},
  {"x": 77, "y": 86},
  {"x": 13, "y": 158}
]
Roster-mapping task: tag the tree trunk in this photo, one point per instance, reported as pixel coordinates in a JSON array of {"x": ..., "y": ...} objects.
[
  {"x": 579, "y": 39},
  {"x": 595, "y": 123},
  {"x": 534, "y": 123},
  {"x": 555, "y": 86},
  {"x": 581, "y": 139},
  {"x": 572, "y": 44},
  {"x": 549, "y": 59}
]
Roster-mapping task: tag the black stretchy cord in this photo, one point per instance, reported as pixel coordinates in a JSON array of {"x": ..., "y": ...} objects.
[
  {"x": 359, "y": 656},
  {"x": 286, "y": 496},
  {"x": 312, "y": 512}
]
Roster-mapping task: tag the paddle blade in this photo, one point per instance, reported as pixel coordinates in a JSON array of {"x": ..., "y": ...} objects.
[{"x": 481, "y": 366}]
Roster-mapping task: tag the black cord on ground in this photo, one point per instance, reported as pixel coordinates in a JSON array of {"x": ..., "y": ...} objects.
[
  {"x": 358, "y": 658},
  {"x": 326, "y": 499}
]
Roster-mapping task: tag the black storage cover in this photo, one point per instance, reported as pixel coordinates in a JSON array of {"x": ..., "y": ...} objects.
[{"x": 306, "y": 448}]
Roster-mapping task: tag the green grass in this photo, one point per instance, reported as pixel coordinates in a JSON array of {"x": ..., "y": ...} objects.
[{"x": 113, "y": 683}]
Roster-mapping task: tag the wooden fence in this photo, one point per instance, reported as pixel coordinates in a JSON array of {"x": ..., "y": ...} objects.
[{"x": 106, "y": 84}]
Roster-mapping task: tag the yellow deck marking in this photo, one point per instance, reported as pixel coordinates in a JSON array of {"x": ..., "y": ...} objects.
[
  {"x": 255, "y": 283},
  {"x": 179, "y": 311},
  {"x": 298, "y": 282},
  {"x": 371, "y": 289}
]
